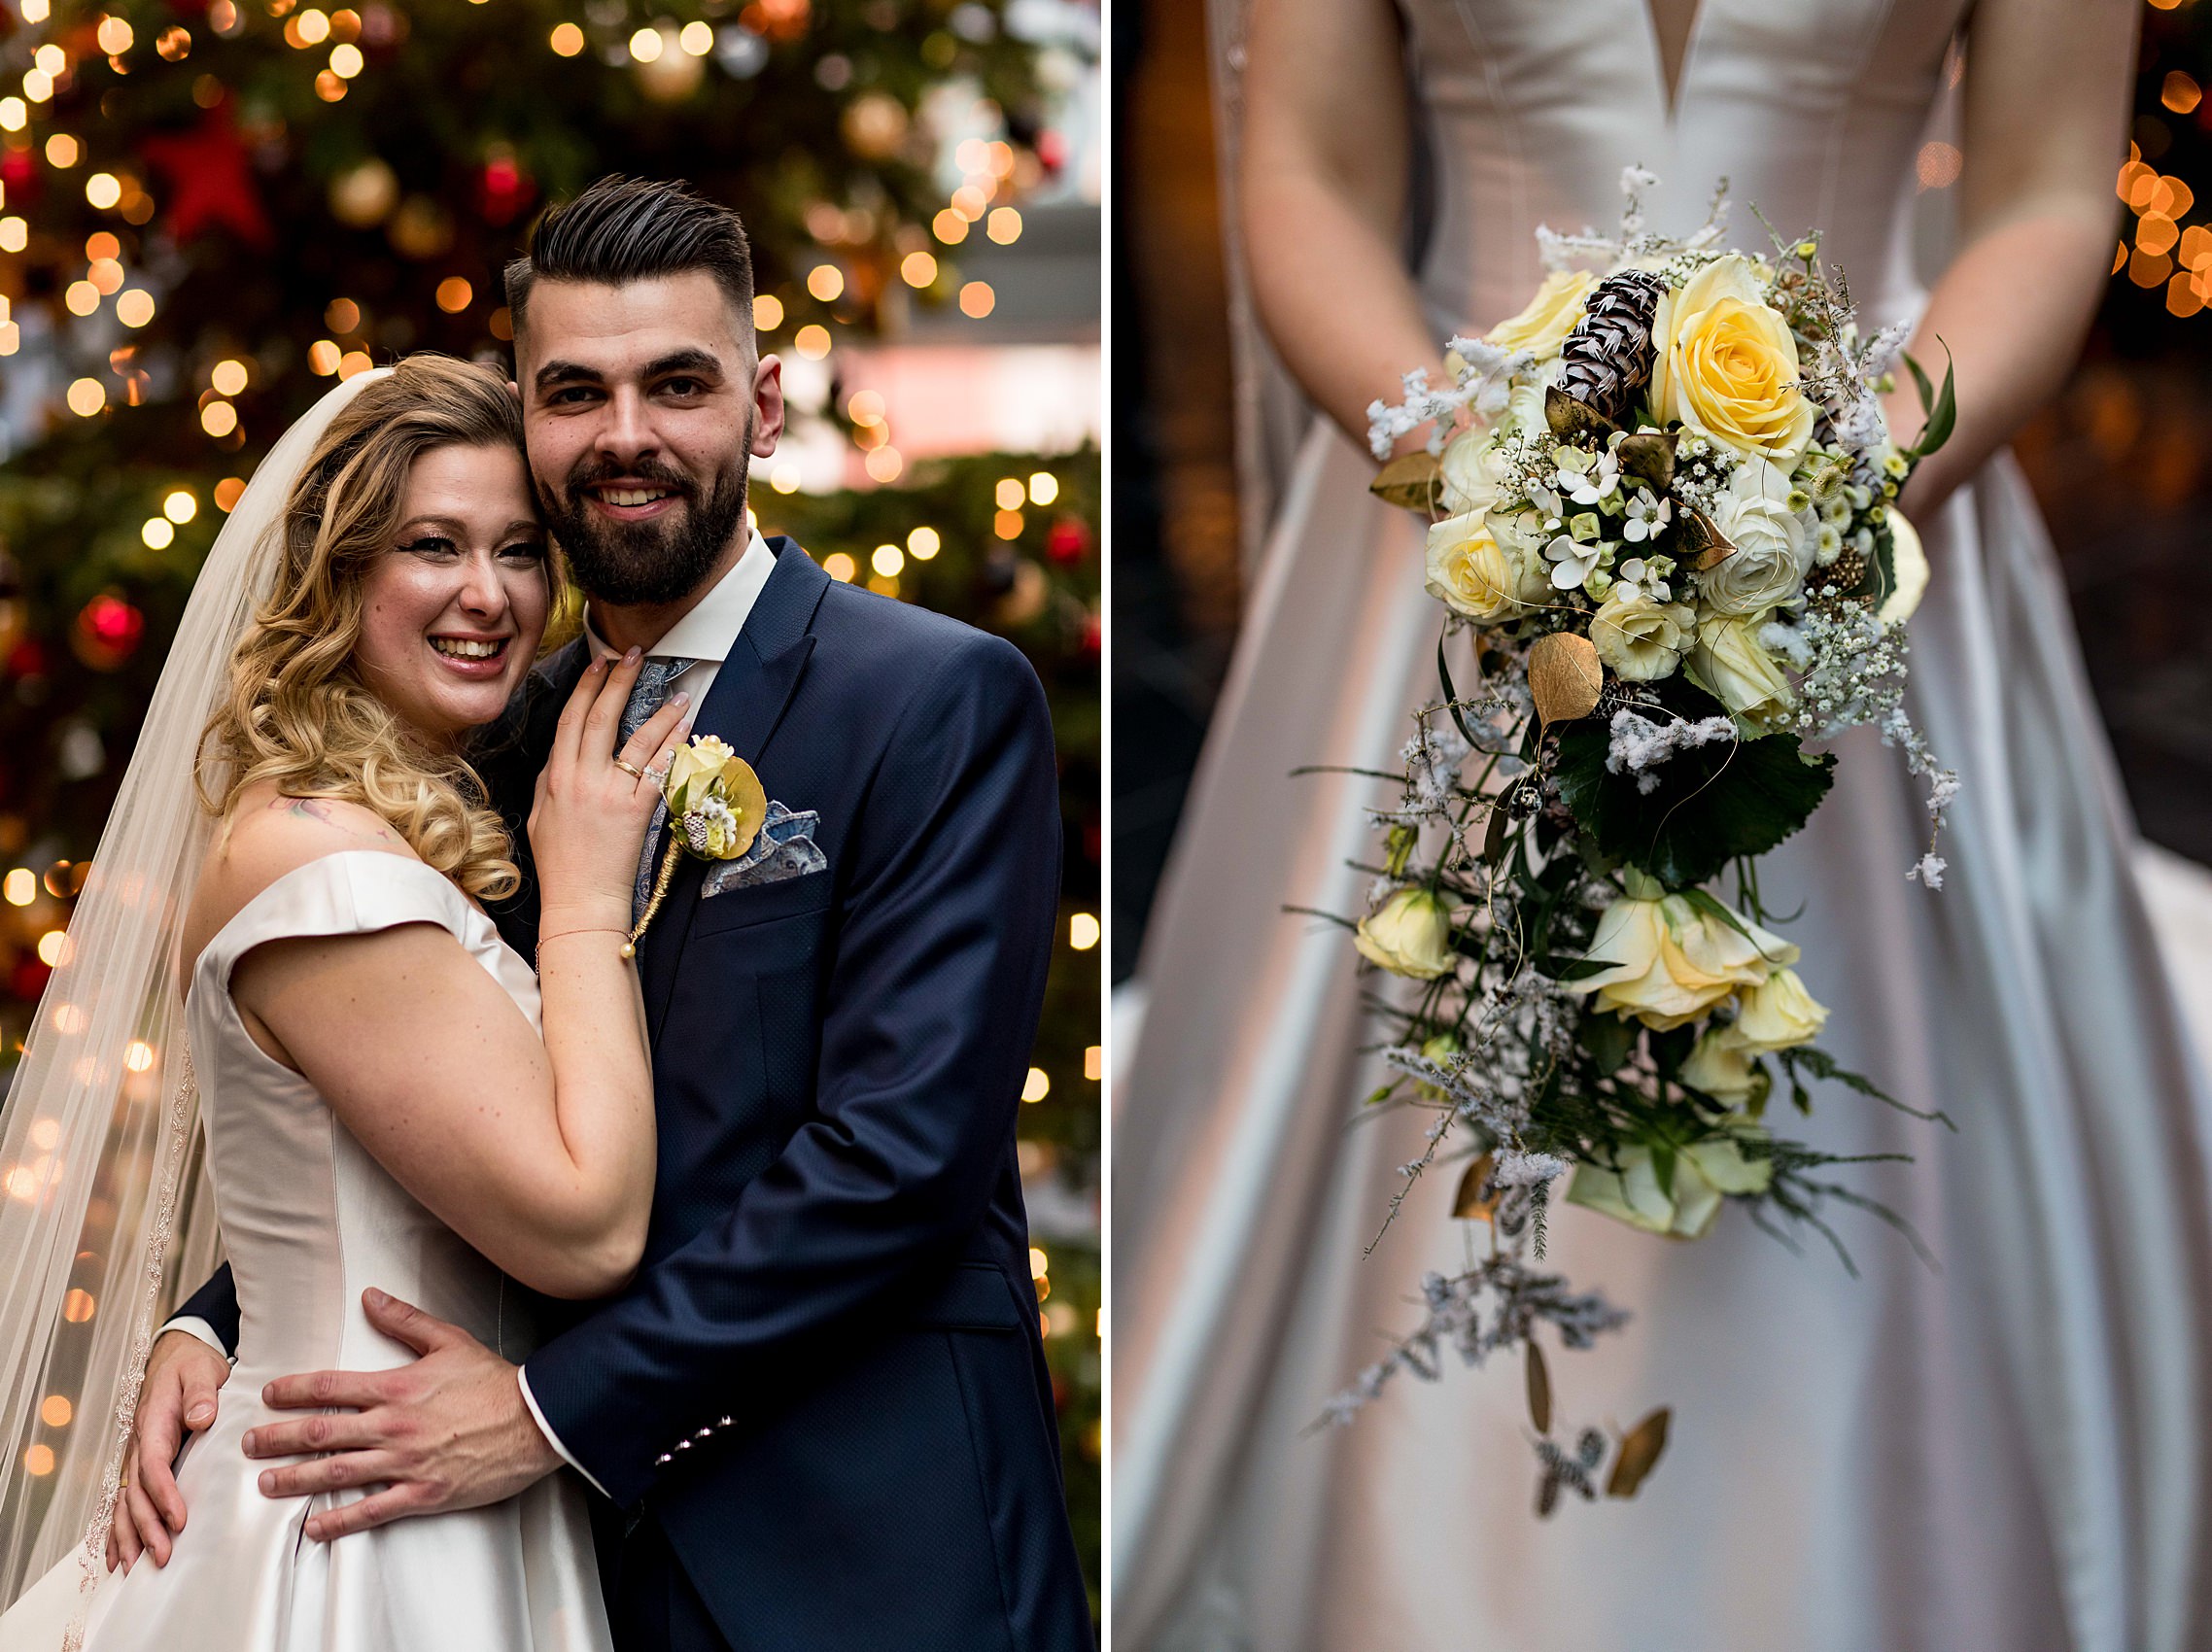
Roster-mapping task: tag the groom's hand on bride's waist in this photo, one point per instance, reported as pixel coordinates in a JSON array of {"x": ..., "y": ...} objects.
[{"x": 449, "y": 1430}]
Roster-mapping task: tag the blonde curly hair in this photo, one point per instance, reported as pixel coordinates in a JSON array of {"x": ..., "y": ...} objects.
[{"x": 298, "y": 712}]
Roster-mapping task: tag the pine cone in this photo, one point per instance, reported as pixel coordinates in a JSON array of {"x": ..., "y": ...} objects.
[{"x": 1608, "y": 353}]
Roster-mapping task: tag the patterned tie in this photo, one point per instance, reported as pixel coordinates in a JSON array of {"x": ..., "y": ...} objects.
[{"x": 646, "y": 695}]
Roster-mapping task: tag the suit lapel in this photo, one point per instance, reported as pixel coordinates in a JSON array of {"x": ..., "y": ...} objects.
[{"x": 752, "y": 692}]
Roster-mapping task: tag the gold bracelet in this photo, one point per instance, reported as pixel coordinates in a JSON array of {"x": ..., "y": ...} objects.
[{"x": 588, "y": 929}]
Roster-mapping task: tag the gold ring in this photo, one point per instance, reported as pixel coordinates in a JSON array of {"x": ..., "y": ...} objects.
[{"x": 629, "y": 769}]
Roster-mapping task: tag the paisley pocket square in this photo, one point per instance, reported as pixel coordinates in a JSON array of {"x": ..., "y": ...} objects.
[{"x": 784, "y": 848}]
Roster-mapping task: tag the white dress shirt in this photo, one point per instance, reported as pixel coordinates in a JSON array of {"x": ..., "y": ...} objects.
[{"x": 705, "y": 637}]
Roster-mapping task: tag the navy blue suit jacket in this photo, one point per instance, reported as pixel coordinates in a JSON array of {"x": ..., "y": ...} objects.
[{"x": 826, "y": 1386}]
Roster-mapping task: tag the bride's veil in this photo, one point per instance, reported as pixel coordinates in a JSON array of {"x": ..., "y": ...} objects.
[{"x": 99, "y": 1170}]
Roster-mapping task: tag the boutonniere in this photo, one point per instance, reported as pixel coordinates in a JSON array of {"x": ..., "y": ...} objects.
[{"x": 716, "y": 805}]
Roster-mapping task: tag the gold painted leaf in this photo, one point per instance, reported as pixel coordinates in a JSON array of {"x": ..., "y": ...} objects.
[
  {"x": 1650, "y": 455},
  {"x": 1638, "y": 1453},
  {"x": 1570, "y": 418},
  {"x": 1468, "y": 1204},
  {"x": 1564, "y": 676},
  {"x": 748, "y": 799},
  {"x": 1703, "y": 545},
  {"x": 1539, "y": 1390},
  {"x": 1410, "y": 481}
]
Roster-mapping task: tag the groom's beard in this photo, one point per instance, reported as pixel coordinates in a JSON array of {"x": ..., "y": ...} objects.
[{"x": 646, "y": 564}]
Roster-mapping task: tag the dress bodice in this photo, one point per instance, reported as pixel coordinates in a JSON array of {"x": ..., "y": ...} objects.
[
  {"x": 1812, "y": 110},
  {"x": 309, "y": 1218}
]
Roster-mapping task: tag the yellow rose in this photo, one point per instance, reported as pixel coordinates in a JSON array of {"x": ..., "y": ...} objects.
[
  {"x": 1776, "y": 1015},
  {"x": 1671, "y": 963},
  {"x": 1703, "y": 1174},
  {"x": 1726, "y": 364},
  {"x": 1410, "y": 935},
  {"x": 691, "y": 775},
  {"x": 1473, "y": 574},
  {"x": 1729, "y": 663},
  {"x": 1721, "y": 1068},
  {"x": 1641, "y": 639},
  {"x": 1550, "y": 317}
]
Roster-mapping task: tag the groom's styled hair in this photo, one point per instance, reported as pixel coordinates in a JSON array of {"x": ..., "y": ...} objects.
[{"x": 634, "y": 229}]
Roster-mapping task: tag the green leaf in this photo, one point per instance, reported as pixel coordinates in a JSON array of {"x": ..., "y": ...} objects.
[
  {"x": 1919, "y": 380},
  {"x": 1609, "y": 1040},
  {"x": 1451, "y": 695},
  {"x": 1663, "y": 1167},
  {"x": 1937, "y": 430},
  {"x": 1557, "y": 968},
  {"x": 1670, "y": 1049},
  {"x": 1711, "y": 804}
]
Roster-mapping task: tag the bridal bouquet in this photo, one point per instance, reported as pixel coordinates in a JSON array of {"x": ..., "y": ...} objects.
[{"x": 1663, "y": 525}]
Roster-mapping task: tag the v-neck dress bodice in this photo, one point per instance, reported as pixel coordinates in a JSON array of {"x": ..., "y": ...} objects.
[{"x": 1812, "y": 110}]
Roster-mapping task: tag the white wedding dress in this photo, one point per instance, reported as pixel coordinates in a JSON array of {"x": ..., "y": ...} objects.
[
  {"x": 310, "y": 1220},
  {"x": 2008, "y": 1454}
]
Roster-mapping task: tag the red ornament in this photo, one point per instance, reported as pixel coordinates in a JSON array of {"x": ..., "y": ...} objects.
[
  {"x": 27, "y": 659},
  {"x": 1093, "y": 636},
  {"x": 211, "y": 179},
  {"x": 19, "y": 171},
  {"x": 1068, "y": 540},
  {"x": 28, "y": 978},
  {"x": 107, "y": 630},
  {"x": 505, "y": 189}
]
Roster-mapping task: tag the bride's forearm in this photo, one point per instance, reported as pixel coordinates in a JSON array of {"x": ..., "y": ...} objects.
[
  {"x": 1346, "y": 321},
  {"x": 2010, "y": 311},
  {"x": 1322, "y": 180}
]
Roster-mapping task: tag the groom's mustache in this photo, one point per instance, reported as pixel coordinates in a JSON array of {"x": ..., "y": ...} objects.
[{"x": 591, "y": 474}]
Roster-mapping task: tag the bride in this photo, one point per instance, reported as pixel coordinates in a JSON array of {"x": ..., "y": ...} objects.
[
  {"x": 301, "y": 944},
  {"x": 2009, "y": 1451}
]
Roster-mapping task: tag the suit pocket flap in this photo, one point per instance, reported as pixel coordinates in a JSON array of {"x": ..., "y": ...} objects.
[
  {"x": 762, "y": 903},
  {"x": 975, "y": 1297}
]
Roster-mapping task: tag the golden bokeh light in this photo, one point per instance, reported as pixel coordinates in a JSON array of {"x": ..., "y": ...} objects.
[
  {"x": 1038, "y": 1084},
  {"x": 135, "y": 308},
  {"x": 219, "y": 419},
  {"x": 827, "y": 282},
  {"x": 229, "y": 377},
  {"x": 813, "y": 341},
  {"x": 923, "y": 543},
  {"x": 767, "y": 312},
  {"x": 840, "y": 566},
  {"x": 159, "y": 533},
  {"x": 180, "y": 506},
  {"x": 977, "y": 300},
  {"x": 86, "y": 396},
  {"x": 454, "y": 294},
  {"x": 887, "y": 561},
  {"x": 1083, "y": 931}
]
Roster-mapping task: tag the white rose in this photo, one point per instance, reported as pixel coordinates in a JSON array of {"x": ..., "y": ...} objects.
[
  {"x": 1721, "y": 1068},
  {"x": 1774, "y": 545},
  {"x": 1703, "y": 1174},
  {"x": 1410, "y": 935},
  {"x": 1470, "y": 472},
  {"x": 1671, "y": 962},
  {"x": 1639, "y": 638},
  {"x": 1729, "y": 663},
  {"x": 1476, "y": 573},
  {"x": 1778, "y": 1013}
]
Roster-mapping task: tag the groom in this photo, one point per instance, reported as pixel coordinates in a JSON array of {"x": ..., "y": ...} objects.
[{"x": 819, "y": 1417}]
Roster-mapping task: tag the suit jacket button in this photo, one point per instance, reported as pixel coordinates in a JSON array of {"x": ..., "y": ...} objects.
[
  {"x": 683, "y": 1445},
  {"x": 663, "y": 1460},
  {"x": 725, "y": 1421}
]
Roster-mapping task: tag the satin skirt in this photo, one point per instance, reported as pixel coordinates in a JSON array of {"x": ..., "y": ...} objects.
[
  {"x": 516, "y": 1576},
  {"x": 2000, "y": 1449}
]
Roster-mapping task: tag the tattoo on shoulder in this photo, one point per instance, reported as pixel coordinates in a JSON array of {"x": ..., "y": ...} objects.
[{"x": 329, "y": 814}]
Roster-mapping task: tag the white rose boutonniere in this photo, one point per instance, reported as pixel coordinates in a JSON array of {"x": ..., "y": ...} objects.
[{"x": 716, "y": 804}]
